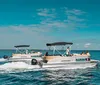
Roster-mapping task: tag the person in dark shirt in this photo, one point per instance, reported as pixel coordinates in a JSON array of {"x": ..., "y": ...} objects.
[{"x": 46, "y": 54}]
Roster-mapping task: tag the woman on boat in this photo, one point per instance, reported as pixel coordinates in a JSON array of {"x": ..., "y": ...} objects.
[
  {"x": 82, "y": 53},
  {"x": 87, "y": 53}
]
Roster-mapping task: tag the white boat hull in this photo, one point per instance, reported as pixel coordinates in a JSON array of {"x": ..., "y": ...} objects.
[
  {"x": 71, "y": 65},
  {"x": 55, "y": 65}
]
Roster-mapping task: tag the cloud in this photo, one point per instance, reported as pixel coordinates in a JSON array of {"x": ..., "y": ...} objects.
[
  {"x": 87, "y": 45},
  {"x": 75, "y": 19},
  {"x": 68, "y": 18},
  {"x": 74, "y": 12},
  {"x": 37, "y": 35},
  {"x": 52, "y": 21},
  {"x": 46, "y": 12},
  {"x": 24, "y": 34}
]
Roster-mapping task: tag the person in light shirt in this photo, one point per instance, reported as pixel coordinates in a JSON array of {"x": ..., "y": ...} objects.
[{"x": 68, "y": 51}]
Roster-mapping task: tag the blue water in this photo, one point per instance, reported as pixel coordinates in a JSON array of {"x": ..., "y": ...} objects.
[{"x": 88, "y": 76}]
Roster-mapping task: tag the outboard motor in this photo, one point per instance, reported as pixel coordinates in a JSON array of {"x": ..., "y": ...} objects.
[
  {"x": 45, "y": 61},
  {"x": 40, "y": 63},
  {"x": 5, "y": 57},
  {"x": 34, "y": 62}
]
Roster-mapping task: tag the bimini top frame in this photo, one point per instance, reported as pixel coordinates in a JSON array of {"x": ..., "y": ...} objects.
[
  {"x": 58, "y": 44},
  {"x": 21, "y": 46}
]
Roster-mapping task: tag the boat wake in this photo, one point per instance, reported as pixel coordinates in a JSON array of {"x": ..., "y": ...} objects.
[
  {"x": 70, "y": 67},
  {"x": 14, "y": 67}
]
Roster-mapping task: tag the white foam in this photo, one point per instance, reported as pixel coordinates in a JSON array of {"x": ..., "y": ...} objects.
[
  {"x": 2, "y": 59},
  {"x": 17, "y": 67},
  {"x": 22, "y": 67},
  {"x": 79, "y": 66}
]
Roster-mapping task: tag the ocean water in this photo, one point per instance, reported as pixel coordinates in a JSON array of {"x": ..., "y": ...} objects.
[{"x": 27, "y": 75}]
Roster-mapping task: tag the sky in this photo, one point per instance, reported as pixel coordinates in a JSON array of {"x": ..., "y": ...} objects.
[{"x": 37, "y": 22}]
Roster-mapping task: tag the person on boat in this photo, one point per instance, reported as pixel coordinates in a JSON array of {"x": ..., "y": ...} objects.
[
  {"x": 44, "y": 57},
  {"x": 68, "y": 51},
  {"x": 46, "y": 54},
  {"x": 87, "y": 53},
  {"x": 82, "y": 53}
]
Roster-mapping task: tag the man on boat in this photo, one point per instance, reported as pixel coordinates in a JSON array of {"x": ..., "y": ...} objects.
[
  {"x": 46, "y": 54},
  {"x": 68, "y": 51}
]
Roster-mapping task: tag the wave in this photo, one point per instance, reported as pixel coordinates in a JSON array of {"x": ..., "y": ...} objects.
[
  {"x": 17, "y": 67},
  {"x": 13, "y": 67}
]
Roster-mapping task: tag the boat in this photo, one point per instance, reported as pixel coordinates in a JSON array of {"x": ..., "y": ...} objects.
[
  {"x": 23, "y": 55},
  {"x": 63, "y": 60},
  {"x": 57, "y": 59}
]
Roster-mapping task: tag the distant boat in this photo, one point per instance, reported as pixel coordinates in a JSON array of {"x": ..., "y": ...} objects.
[{"x": 23, "y": 55}]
